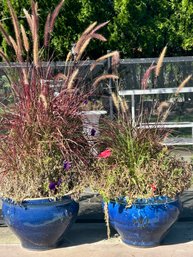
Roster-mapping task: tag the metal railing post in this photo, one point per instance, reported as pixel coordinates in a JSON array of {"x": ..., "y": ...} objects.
[{"x": 110, "y": 87}]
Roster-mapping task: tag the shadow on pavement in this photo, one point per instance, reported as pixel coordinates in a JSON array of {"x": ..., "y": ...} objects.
[
  {"x": 86, "y": 233},
  {"x": 181, "y": 232}
]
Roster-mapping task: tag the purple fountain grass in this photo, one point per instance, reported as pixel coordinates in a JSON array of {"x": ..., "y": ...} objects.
[{"x": 41, "y": 130}]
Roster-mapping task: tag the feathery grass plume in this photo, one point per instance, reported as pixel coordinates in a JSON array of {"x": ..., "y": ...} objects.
[
  {"x": 14, "y": 45},
  {"x": 69, "y": 56},
  {"x": 5, "y": 34},
  {"x": 103, "y": 77},
  {"x": 115, "y": 59},
  {"x": 87, "y": 41},
  {"x": 83, "y": 37},
  {"x": 25, "y": 39},
  {"x": 124, "y": 106},
  {"x": 35, "y": 43},
  {"x": 2, "y": 54},
  {"x": 29, "y": 19},
  {"x": 99, "y": 26},
  {"x": 184, "y": 82},
  {"x": 35, "y": 29},
  {"x": 90, "y": 28},
  {"x": 99, "y": 37},
  {"x": 83, "y": 47},
  {"x": 34, "y": 6},
  {"x": 166, "y": 113},
  {"x": 144, "y": 82},
  {"x": 88, "y": 33},
  {"x": 60, "y": 76},
  {"x": 47, "y": 30},
  {"x": 114, "y": 55},
  {"x": 72, "y": 77},
  {"x": 49, "y": 25},
  {"x": 115, "y": 100},
  {"x": 33, "y": 24},
  {"x": 163, "y": 105},
  {"x": 54, "y": 15},
  {"x": 44, "y": 101},
  {"x": 17, "y": 31},
  {"x": 160, "y": 61}
]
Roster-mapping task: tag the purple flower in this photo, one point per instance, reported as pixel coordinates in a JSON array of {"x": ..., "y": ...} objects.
[
  {"x": 52, "y": 185},
  {"x": 93, "y": 132},
  {"x": 67, "y": 165},
  {"x": 85, "y": 102},
  {"x": 59, "y": 182}
]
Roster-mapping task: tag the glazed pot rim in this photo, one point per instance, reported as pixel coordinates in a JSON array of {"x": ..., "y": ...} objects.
[
  {"x": 40, "y": 200},
  {"x": 147, "y": 201},
  {"x": 47, "y": 198},
  {"x": 93, "y": 112}
]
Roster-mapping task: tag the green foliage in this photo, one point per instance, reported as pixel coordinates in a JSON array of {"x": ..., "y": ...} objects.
[
  {"x": 141, "y": 27},
  {"x": 181, "y": 24},
  {"x": 71, "y": 21}
]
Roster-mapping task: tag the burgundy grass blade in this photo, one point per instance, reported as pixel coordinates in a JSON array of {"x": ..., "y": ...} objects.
[{"x": 144, "y": 82}]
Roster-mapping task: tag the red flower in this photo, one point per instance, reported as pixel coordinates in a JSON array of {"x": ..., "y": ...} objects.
[
  {"x": 153, "y": 187},
  {"x": 105, "y": 154}
]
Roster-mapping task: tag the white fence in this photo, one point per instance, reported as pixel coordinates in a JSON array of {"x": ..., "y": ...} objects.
[{"x": 159, "y": 91}]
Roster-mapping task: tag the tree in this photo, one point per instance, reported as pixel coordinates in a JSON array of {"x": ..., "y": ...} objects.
[
  {"x": 181, "y": 27},
  {"x": 66, "y": 26},
  {"x": 139, "y": 28},
  {"x": 74, "y": 17}
]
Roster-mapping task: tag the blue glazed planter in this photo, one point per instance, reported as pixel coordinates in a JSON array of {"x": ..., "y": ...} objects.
[
  {"x": 40, "y": 224},
  {"x": 144, "y": 224}
]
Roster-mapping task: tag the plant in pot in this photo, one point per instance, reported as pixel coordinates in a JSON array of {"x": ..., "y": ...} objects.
[
  {"x": 140, "y": 182},
  {"x": 91, "y": 111},
  {"x": 44, "y": 156},
  {"x": 139, "y": 179}
]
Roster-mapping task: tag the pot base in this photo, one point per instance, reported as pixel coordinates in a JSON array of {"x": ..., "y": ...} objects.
[
  {"x": 144, "y": 224},
  {"x": 40, "y": 224},
  {"x": 136, "y": 245},
  {"x": 32, "y": 247}
]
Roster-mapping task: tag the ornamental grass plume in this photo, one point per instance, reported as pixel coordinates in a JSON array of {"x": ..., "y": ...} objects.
[{"x": 43, "y": 152}]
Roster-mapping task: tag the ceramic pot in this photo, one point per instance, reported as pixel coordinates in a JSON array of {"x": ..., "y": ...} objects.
[
  {"x": 146, "y": 222},
  {"x": 91, "y": 122},
  {"x": 40, "y": 224}
]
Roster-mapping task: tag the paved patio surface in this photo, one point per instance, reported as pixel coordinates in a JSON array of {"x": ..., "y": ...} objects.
[{"x": 89, "y": 240}]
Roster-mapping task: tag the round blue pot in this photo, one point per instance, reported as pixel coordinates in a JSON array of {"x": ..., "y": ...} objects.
[
  {"x": 40, "y": 224},
  {"x": 146, "y": 222}
]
